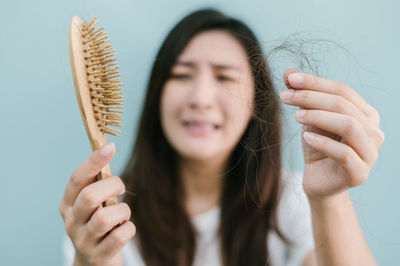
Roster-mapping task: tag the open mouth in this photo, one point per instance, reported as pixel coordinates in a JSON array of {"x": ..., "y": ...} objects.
[{"x": 199, "y": 128}]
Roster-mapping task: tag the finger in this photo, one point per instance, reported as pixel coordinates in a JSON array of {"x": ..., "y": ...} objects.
[
  {"x": 286, "y": 76},
  {"x": 321, "y": 132},
  {"x": 93, "y": 195},
  {"x": 104, "y": 219},
  {"x": 116, "y": 239},
  {"x": 347, "y": 127},
  {"x": 310, "y": 82},
  {"x": 86, "y": 173},
  {"x": 357, "y": 170},
  {"x": 307, "y": 99},
  {"x": 316, "y": 100}
]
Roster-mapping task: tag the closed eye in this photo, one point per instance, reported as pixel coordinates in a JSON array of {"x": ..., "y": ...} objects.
[
  {"x": 223, "y": 78},
  {"x": 180, "y": 76}
]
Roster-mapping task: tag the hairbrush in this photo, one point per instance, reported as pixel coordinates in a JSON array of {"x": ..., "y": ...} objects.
[{"x": 97, "y": 85}]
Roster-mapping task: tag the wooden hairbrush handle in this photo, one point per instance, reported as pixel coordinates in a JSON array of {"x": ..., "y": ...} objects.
[
  {"x": 97, "y": 85},
  {"x": 104, "y": 173}
]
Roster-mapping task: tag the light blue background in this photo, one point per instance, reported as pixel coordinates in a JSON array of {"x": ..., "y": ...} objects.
[{"x": 43, "y": 139}]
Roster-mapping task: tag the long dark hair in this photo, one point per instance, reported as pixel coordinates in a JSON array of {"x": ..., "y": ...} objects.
[{"x": 251, "y": 186}]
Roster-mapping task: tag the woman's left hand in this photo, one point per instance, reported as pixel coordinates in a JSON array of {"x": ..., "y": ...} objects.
[{"x": 343, "y": 129}]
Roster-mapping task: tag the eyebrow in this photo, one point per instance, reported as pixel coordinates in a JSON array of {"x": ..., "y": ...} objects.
[{"x": 216, "y": 66}]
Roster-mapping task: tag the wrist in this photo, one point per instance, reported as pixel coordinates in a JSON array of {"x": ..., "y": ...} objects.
[
  {"x": 330, "y": 202},
  {"x": 81, "y": 261}
]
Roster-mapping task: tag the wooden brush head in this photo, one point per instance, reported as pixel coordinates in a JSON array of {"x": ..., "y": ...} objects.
[{"x": 96, "y": 79}]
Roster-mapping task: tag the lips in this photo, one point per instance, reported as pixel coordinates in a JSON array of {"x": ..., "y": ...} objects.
[{"x": 200, "y": 128}]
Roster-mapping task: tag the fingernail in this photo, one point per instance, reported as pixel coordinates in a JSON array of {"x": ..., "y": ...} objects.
[
  {"x": 287, "y": 94},
  {"x": 309, "y": 136},
  {"x": 296, "y": 78},
  {"x": 107, "y": 149},
  {"x": 300, "y": 114}
]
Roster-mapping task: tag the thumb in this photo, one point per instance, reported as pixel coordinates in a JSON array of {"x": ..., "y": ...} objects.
[
  {"x": 311, "y": 154},
  {"x": 97, "y": 161}
]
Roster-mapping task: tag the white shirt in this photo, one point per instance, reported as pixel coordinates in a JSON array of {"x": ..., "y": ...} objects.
[{"x": 294, "y": 219}]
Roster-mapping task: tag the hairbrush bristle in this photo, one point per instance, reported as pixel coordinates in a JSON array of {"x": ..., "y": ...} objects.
[{"x": 103, "y": 77}]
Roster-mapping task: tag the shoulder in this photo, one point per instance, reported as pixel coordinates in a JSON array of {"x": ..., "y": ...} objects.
[
  {"x": 294, "y": 220},
  {"x": 68, "y": 251},
  {"x": 131, "y": 254},
  {"x": 293, "y": 202}
]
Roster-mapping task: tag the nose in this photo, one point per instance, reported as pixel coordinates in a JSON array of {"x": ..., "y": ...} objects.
[{"x": 203, "y": 93}]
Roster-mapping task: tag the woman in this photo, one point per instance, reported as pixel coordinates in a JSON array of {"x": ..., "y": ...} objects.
[{"x": 208, "y": 145}]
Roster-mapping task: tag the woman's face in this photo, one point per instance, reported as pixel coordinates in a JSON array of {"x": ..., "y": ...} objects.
[{"x": 207, "y": 102}]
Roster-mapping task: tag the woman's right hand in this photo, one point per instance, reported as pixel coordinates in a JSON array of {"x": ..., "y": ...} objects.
[{"x": 89, "y": 225}]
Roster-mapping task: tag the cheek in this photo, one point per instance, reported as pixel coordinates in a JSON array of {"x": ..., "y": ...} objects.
[
  {"x": 171, "y": 104},
  {"x": 238, "y": 108},
  {"x": 238, "y": 112},
  {"x": 238, "y": 105}
]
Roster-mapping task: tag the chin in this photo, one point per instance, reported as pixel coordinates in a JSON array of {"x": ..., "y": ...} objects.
[
  {"x": 198, "y": 155},
  {"x": 198, "y": 152}
]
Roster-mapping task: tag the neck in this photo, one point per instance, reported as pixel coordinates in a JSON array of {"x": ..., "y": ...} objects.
[{"x": 202, "y": 183}]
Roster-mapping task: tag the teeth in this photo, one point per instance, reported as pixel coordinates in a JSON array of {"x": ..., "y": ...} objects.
[{"x": 207, "y": 126}]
